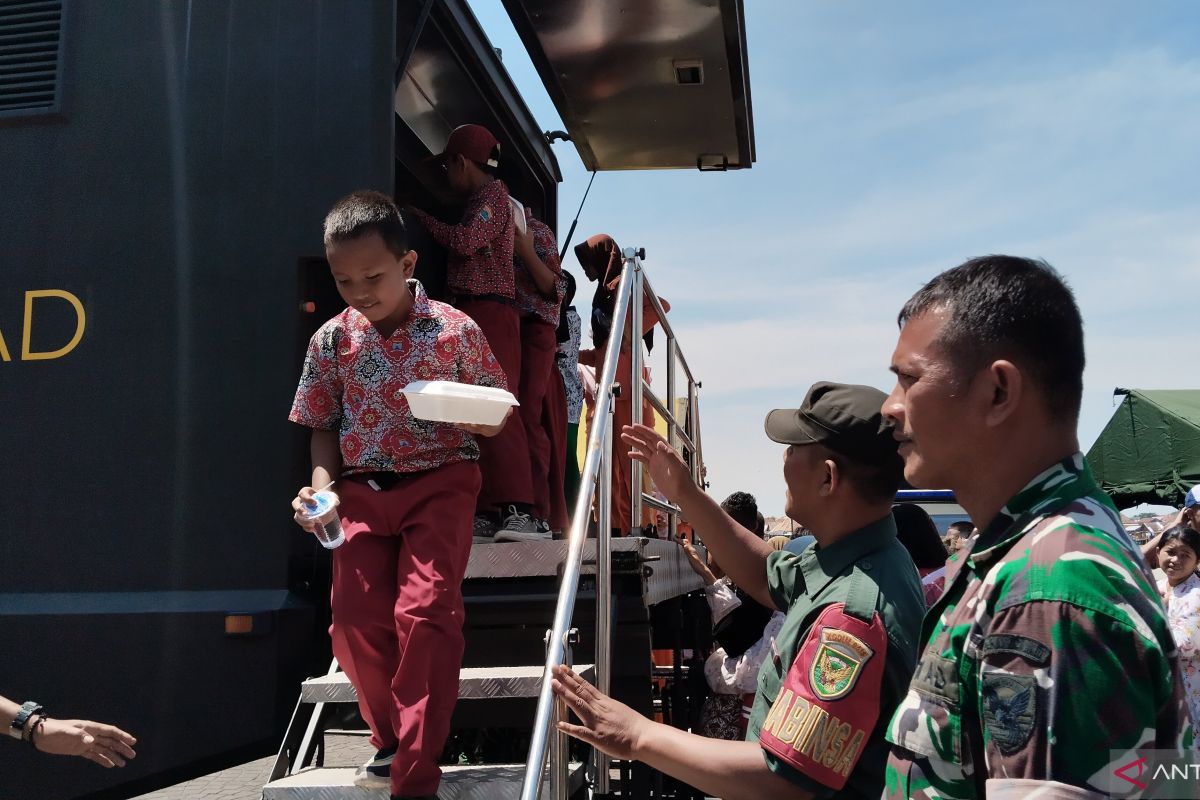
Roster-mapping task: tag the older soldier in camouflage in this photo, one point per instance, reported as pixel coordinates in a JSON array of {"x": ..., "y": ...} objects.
[{"x": 1050, "y": 648}]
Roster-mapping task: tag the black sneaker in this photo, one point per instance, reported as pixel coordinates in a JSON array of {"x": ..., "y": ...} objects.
[
  {"x": 520, "y": 527},
  {"x": 377, "y": 772},
  {"x": 483, "y": 530}
]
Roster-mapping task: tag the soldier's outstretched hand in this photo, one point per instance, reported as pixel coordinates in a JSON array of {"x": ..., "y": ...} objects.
[
  {"x": 606, "y": 724},
  {"x": 671, "y": 475}
]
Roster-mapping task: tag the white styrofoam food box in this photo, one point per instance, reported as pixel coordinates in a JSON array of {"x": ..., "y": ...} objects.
[{"x": 447, "y": 401}]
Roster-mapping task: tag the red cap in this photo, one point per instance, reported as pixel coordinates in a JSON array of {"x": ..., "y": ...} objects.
[{"x": 474, "y": 142}]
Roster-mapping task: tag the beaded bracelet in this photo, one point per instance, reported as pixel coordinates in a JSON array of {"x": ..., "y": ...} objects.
[{"x": 33, "y": 726}]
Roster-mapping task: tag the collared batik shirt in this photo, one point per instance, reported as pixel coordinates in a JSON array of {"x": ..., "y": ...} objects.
[
  {"x": 530, "y": 301},
  {"x": 353, "y": 381},
  {"x": 479, "y": 249},
  {"x": 1049, "y": 650},
  {"x": 567, "y": 359}
]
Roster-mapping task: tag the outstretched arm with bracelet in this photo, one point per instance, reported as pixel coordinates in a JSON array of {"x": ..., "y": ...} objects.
[
  {"x": 108, "y": 746},
  {"x": 741, "y": 553}
]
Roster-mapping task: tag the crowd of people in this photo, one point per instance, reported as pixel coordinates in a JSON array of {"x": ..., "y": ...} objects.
[
  {"x": 1044, "y": 608},
  {"x": 1043, "y": 648},
  {"x": 872, "y": 656}
]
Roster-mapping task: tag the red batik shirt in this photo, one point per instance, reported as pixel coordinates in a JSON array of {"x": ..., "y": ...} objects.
[
  {"x": 352, "y": 381},
  {"x": 530, "y": 301},
  {"x": 480, "y": 248}
]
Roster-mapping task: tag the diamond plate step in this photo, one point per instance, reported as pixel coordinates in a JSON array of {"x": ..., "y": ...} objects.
[
  {"x": 475, "y": 683},
  {"x": 485, "y": 782}
]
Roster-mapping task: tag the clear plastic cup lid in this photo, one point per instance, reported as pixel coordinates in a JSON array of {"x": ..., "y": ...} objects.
[{"x": 321, "y": 503}]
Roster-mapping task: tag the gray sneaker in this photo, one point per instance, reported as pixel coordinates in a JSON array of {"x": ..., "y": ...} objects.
[
  {"x": 484, "y": 530},
  {"x": 520, "y": 527}
]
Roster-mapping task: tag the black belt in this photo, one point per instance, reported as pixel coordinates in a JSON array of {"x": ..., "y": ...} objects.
[
  {"x": 491, "y": 298},
  {"x": 381, "y": 481}
]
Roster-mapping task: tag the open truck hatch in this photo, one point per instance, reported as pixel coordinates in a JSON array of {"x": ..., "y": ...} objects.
[
  {"x": 451, "y": 75},
  {"x": 645, "y": 84}
]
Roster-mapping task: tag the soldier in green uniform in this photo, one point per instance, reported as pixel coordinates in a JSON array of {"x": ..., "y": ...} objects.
[
  {"x": 844, "y": 656},
  {"x": 1048, "y": 661}
]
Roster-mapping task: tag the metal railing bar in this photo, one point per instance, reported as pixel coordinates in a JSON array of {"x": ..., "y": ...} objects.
[
  {"x": 651, "y": 500},
  {"x": 647, "y": 392},
  {"x": 576, "y": 539},
  {"x": 604, "y": 589},
  {"x": 635, "y": 381},
  {"x": 658, "y": 307},
  {"x": 672, "y": 429},
  {"x": 691, "y": 425},
  {"x": 687, "y": 440},
  {"x": 686, "y": 369}
]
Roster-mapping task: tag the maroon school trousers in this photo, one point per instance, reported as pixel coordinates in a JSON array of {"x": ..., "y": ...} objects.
[
  {"x": 554, "y": 422},
  {"x": 503, "y": 459},
  {"x": 538, "y": 346},
  {"x": 398, "y": 611}
]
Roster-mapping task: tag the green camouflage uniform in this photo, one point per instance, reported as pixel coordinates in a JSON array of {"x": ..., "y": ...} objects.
[
  {"x": 871, "y": 576},
  {"x": 1049, "y": 649}
]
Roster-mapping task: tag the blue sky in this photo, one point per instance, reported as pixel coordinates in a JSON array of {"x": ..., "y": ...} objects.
[{"x": 895, "y": 141}]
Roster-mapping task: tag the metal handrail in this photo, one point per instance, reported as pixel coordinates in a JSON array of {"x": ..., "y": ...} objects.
[
  {"x": 556, "y": 646},
  {"x": 596, "y": 477}
]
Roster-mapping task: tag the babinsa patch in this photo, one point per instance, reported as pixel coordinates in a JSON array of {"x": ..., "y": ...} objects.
[
  {"x": 1009, "y": 709},
  {"x": 838, "y": 663},
  {"x": 822, "y": 716}
]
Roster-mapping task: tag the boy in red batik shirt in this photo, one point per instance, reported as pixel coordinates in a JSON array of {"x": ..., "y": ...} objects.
[
  {"x": 540, "y": 288},
  {"x": 407, "y": 487},
  {"x": 479, "y": 274}
]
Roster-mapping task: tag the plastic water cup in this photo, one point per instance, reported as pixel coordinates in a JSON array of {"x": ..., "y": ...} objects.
[{"x": 324, "y": 511}]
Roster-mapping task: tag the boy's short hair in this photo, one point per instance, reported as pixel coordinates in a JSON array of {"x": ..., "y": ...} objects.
[
  {"x": 743, "y": 508},
  {"x": 365, "y": 212},
  {"x": 962, "y": 527}
]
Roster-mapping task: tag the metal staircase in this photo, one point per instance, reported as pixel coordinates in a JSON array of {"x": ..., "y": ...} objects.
[
  {"x": 471, "y": 782},
  {"x": 508, "y": 591}
]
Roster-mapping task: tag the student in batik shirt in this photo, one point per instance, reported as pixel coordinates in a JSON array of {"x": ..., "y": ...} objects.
[
  {"x": 539, "y": 287},
  {"x": 1178, "y": 550},
  {"x": 479, "y": 275},
  {"x": 1049, "y": 650},
  {"x": 407, "y": 487}
]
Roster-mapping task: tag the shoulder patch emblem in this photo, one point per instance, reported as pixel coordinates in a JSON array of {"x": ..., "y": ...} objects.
[
  {"x": 485, "y": 213},
  {"x": 839, "y": 661},
  {"x": 1009, "y": 709}
]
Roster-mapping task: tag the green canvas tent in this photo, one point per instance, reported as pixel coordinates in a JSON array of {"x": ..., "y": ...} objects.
[{"x": 1150, "y": 450}]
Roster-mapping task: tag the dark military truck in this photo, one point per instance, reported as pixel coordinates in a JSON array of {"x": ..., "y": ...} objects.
[{"x": 164, "y": 170}]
